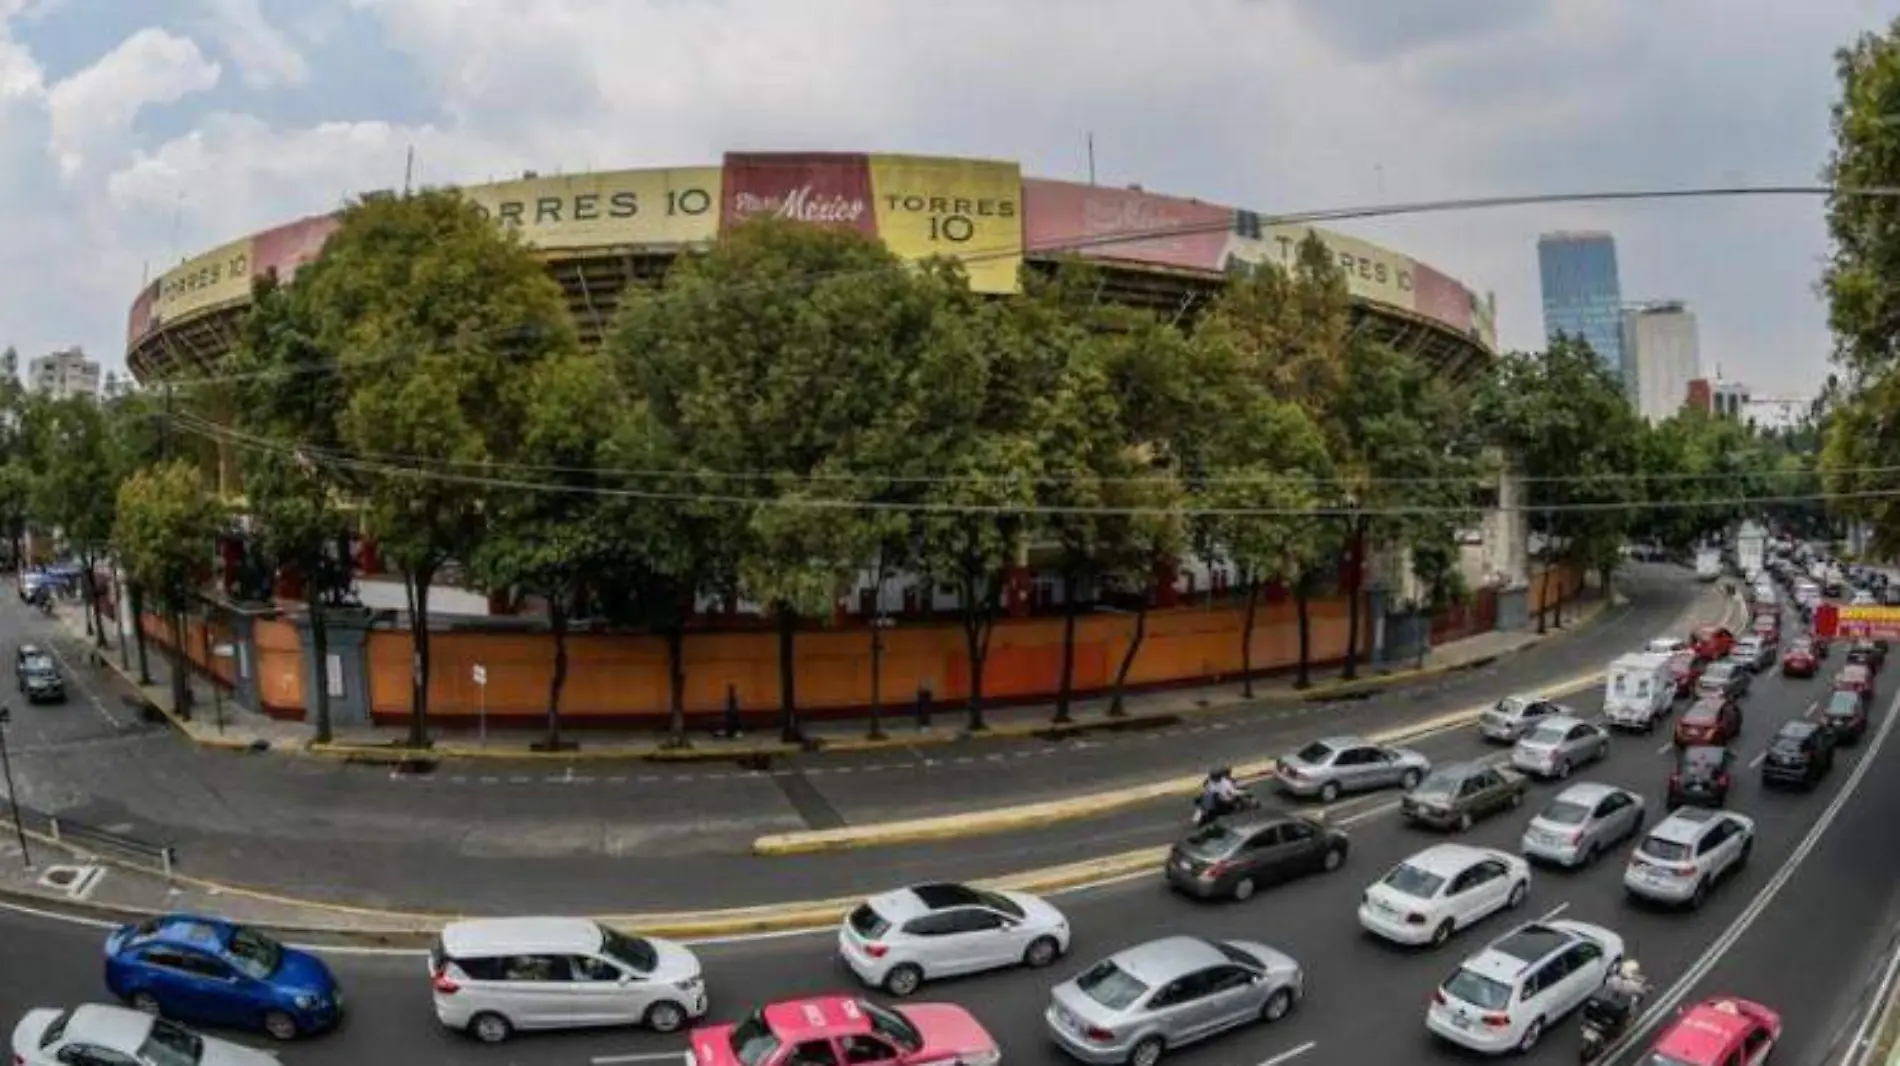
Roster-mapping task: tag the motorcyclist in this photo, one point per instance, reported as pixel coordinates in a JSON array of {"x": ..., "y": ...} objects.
[
  {"x": 1627, "y": 981},
  {"x": 1220, "y": 793}
]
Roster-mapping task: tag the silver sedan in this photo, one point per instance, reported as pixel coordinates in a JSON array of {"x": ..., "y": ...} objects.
[
  {"x": 1166, "y": 993},
  {"x": 1325, "y": 768},
  {"x": 1583, "y": 822},
  {"x": 1559, "y": 745}
]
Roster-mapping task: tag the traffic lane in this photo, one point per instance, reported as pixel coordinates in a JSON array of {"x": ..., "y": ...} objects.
[{"x": 1364, "y": 997}]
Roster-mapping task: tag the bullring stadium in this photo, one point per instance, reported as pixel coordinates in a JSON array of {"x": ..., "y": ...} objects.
[{"x": 600, "y": 232}]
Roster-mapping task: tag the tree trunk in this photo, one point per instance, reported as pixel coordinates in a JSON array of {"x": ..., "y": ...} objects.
[
  {"x": 137, "y": 599},
  {"x": 1115, "y": 709},
  {"x": 975, "y": 645},
  {"x": 181, "y": 668},
  {"x": 418, "y": 585},
  {"x": 320, "y": 652},
  {"x": 1355, "y": 575},
  {"x": 1065, "y": 685},
  {"x": 1543, "y": 607},
  {"x": 1302, "y": 603},
  {"x": 557, "y": 623},
  {"x": 788, "y": 675},
  {"x": 676, "y": 684},
  {"x": 1246, "y": 637}
]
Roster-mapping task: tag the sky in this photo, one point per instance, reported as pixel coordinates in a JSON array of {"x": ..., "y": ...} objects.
[{"x": 137, "y": 132}]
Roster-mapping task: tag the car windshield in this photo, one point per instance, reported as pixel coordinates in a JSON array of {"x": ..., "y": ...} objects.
[
  {"x": 1566, "y": 812},
  {"x": 1409, "y": 879},
  {"x": 1316, "y": 752},
  {"x": 39, "y": 664},
  {"x": 1510, "y": 706},
  {"x": 1666, "y": 850},
  {"x": 1110, "y": 985},
  {"x": 1215, "y": 839},
  {"x": 868, "y": 923},
  {"x": 1702, "y": 713},
  {"x": 893, "y": 1026},
  {"x": 638, "y": 954},
  {"x": 752, "y": 1041},
  {"x": 1719, "y": 672},
  {"x": 1550, "y": 733},
  {"x": 254, "y": 953},
  {"x": 171, "y": 1045},
  {"x": 1443, "y": 783},
  {"x": 1478, "y": 990},
  {"x": 1843, "y": 703},
  {"x": 1000, "y": 903},
  {"x": 1701, "y": 761}
]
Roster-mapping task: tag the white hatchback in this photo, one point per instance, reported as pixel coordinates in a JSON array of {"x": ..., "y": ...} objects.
[
  {"x": 1507, "y": 996},
  {"x": 1441, "y": 890},
  {"x": 897, "y": 940}
]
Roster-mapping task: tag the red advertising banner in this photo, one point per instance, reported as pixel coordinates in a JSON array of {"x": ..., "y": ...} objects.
[
  {"x": 1865, "y": 622},
  {"x": 1441, "y": 299},
  {"x": 285, "y": 250},
  {"x": 822, "y": 188},
  {"x": 1108, "y": 223},
  {"x": 140, "y": 322}
]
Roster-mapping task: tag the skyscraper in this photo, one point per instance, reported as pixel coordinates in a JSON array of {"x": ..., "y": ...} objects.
[
  {"x": 1582, "y": 296},
  {"x": 1659, "y": 340}
]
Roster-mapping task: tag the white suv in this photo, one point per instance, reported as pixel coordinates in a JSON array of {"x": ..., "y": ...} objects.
[
  {"x": 897, "y": 940},
  {"x": 1686, "y": 853},
  {"x": 1505, "y": 997}
]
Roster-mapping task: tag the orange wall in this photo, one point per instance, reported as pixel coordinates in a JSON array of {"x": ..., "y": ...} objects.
[{"x": 619, "y": 676}]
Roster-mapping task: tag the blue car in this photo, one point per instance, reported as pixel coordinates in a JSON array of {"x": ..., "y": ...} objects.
[{"x": 214, "y": 972}]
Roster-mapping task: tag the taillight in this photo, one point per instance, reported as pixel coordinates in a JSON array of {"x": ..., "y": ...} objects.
[
  {"x": 1675, "y": 780},
  {"x": 1576, "y": 837},
  {"x": 1438, "y": 997},
  {"x": 445, "y": 984},
  {"x": 1099, "y": 1034},
  {"x": 876, "y": 951},
  {"x": 1721, "y": 780},
  {"x": 1215, "y": 870},
  {"x": 1496, "y": 1020}
]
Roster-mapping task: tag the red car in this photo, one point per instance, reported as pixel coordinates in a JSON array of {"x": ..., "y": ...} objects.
[
  {"x": 1718, "y": 1032},
  {"x": 1687, "y": 667},
  {"x": 840, "y": 1029},
  {"x": 1711, "y": 641},
  {"x": 1801, "y": 660},
  {"x": 1710, "y": 722}
]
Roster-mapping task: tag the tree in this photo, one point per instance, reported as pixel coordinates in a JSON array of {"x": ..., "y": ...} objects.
[
  {"x": 138, "y": 431},
  {"x": 74, "y": 489},
  {"x": 289, "y": 394},
  {"x": 166, "y": 521},
  {"x": 436, "y": 318}
]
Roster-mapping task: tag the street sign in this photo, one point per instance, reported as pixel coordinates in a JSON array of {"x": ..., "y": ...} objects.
[
  {"x": 225, "y": 651},
  {"x": 1866, "y": 621},
  {"x": 480, "y": 674}
]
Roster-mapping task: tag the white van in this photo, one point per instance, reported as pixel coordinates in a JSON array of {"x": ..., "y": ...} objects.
[
  {"x": 494, "y": 976},
  {"x": 1638, "y": 689}
]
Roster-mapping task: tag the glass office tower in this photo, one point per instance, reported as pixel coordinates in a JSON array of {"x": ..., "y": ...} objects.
[{"x": 1582, "y": 297}]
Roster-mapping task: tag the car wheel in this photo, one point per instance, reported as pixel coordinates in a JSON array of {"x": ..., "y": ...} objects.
[
  {"x": 280, "y": 1026},
  {"x": 903, "y": 980},
  {"x": 1700, "y": 896},
  {"x": 1335, "y": 858},
  {"x": 1041, "y": 952},
  {"x": 1747, "y": 847},
  {"x": 1516, "y": 798},
  {"x": 1329, "y": 792},
  {"x": 1589, "y": 855},
  {"x": 1408, "y": 780},
  {"x": 145, "y": 1003},
  {"x": 1464, "y": 821},
  {"x": 1243, "y": 890},
  {"x": 1442, "y": 933},
  {"x": 1531, "y": 1032},
  {"x": 490, "y": 1028},
  {"x": 1516, "y": 898},
  {"x": 664, "y": 1017},
  {"x": 1563, "y": 769},
  {"x": 1277, "y": 1005},
  {"x": 1147, "y": 1053}
]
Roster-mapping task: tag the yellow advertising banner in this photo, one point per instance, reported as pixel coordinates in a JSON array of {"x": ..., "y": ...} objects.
[
  {"x": 1372, "y": 273},
  {"x": 966, "y": 209},
  {"x": 217, "y": 276},
  {"x": 622, "y": 207}
]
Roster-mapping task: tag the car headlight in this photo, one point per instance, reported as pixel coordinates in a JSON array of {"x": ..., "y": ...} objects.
[
  {"x": 983, "y": 1058},
  {"x": 306, "y": 1001},
  {"x": 691, "y": 984}
]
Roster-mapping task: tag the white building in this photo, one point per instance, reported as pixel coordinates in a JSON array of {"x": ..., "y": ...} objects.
[
  {"x": 1729, "y": 399},
  {"x": 63, "y": 373},
  {"x": 1660, "y": 342}
]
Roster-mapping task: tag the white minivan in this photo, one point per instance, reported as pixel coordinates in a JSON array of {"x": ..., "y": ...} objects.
[
  {"x": 494, "y": 976},
  {"x": 1638, "y": 690}
]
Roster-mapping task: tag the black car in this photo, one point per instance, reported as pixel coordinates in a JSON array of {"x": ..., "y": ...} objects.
[
  {"x": 1868, "y": 652},
  {"x": 1701, "y": 777},
  {"x": 1844, "y": 714},
  {"x": 1230, "y": 859},
  {"x": 1801, "y": 753},
  {"x": 37, "y": 675}
]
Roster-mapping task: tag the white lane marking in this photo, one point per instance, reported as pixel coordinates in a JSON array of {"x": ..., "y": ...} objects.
[
  {"x": 52, "y": 645},
  {"x": 1555, "y": 911},
  {"x": 1666, "y": 748},
  {"x": 1877, "y": 1014},
  {"x": 1757, "y": 760},
  {"x": 1665, "y": 1005},
  {"x": 651, "y": 1056},
  {"x": 69, "y": 919},
  {"x": 1291, "y": 1053}
]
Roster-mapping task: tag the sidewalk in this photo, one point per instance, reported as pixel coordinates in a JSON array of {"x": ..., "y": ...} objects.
[{"x": 231, "y": 726}]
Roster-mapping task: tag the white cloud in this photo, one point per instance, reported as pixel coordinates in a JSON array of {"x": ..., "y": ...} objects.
[
  {"x": 97, "y": 105},
  {"x": 264, "y": 56}
]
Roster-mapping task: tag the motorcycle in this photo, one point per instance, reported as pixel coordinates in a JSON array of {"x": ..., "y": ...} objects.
[
  {"x": 1606, "y": 1016},
  {"x": 1208, "y": 809}
]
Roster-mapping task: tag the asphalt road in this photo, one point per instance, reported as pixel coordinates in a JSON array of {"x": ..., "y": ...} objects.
[
  {"x": 1800, "y": 929},
  {"x": 597, "y": 839}
]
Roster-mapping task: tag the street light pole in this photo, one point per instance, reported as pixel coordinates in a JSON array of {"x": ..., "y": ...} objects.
[{"x": 13, "y": 797}]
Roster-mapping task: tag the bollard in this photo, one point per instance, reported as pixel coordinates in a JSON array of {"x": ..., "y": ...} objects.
[
  {"x": 923, "y": 708},
  {"x": 732, "y": 729}
]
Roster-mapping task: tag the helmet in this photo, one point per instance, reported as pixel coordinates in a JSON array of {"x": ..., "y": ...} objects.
[
  {"x": 1630, "y": 969},
  {"x": 1221, "y": 772}
]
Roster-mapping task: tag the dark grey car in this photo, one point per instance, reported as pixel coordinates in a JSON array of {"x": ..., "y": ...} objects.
[
  {"x": 1455, "y": 796},
  {"x": 1232, "y": 859},
  {"x": 1725, "y": 678}
]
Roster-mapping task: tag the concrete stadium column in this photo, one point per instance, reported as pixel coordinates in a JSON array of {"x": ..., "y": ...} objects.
[{"x": 347, "y": 672}]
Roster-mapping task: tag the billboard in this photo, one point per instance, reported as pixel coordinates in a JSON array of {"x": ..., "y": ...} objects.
[
  {"x": 1372, "y": 273},
  {"x": 1441, "y": 299},
  {"x": 1092, "y": 220},
  {"x": 1869, "y": 622},
  {"x": 218, "y": 276},
  {"x": 621, "y": 207},
  {"x": 820, "y": 188},
  {"x": 967, "y": 209},
  {"x": 287, "y": 249},
  {"x": 140, "y": 321}
]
